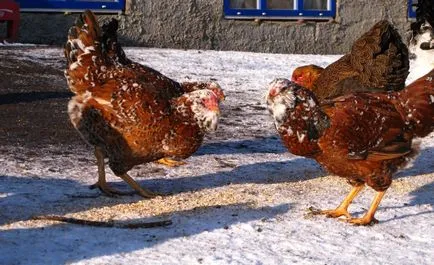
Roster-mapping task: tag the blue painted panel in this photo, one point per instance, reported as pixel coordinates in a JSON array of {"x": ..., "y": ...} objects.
[
  {"x": 411, "y": 12},
  {"x": 280, "y": 13},
  {"x": 72, "y": 4}
]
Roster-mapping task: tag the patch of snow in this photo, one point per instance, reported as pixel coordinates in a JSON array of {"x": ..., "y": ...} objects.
[{"x": 241, "y": 199}]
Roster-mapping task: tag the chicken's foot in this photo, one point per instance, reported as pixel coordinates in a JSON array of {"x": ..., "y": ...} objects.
[
  {"x": 342, "y": 209},
  {"x": 102, "y": 183},
  {"x": 170, "y": 162},
  {"x": 368, "y": 218}
]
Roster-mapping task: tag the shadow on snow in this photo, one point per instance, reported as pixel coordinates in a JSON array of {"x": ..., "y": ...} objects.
[
  {"x": 96, "y": 242},
  {"x": 271, "y": 144}
]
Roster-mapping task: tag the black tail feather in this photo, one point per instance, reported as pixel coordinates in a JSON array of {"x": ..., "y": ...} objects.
[{"x": 110, "y": 44}]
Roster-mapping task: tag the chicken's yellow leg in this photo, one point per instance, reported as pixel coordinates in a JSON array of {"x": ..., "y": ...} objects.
[
  {"x": 342, "y": 209},
  {"x": 170, "y": 162},
  {"x": 142, "y": 191},
  {"x": 368, "y": 218},
  {"x": 102, "y": 183}
]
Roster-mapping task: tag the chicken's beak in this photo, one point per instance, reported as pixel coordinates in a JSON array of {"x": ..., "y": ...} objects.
[{"x": 219, "y": 94}]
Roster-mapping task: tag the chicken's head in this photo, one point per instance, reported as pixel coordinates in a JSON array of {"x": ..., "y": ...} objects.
[
  {"x": 295, "y": 109},
  {"x": 218, "y": 91},
  {"x": 306, "y": 75},
  {"x": 205, "y": 106}
]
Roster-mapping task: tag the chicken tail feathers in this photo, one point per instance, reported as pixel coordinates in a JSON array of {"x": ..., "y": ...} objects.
[
  {"x": 110, "y": 44},
  {"x": 82, "y": 37},
  {"x": 84, "y": 55},
  {"x": 381, "y": 57},
  {"x": 416, "y": 105}
]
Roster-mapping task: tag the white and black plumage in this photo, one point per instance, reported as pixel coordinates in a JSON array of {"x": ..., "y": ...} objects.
[{"x": 421, "y": 45}]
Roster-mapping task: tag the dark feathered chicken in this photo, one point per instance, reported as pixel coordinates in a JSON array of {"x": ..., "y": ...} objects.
[
  {"x": 421, "y": 45},
  {"x": 131, "y": 113},
  {"x": 363, "y": 137},
  {"x": 378, "y": 61},
  {"x": 424, "y": 13}
]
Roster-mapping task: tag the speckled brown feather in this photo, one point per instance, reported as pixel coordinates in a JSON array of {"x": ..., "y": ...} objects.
[
  {"x": 369, "y": 134},
  {"x": 378, "y": 61},
  {"x": 299, "y": 132},
  {"x": 133, "y": 113},
  {"x": 362, "y": 127},
  {"x": 114, "y": 51}
]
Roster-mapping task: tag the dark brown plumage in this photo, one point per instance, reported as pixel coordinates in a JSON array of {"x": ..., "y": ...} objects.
[
  {"x": 378, "y": 61},
  {"x": 131, "y": 113},
  {"x": 363, "y": 137}
]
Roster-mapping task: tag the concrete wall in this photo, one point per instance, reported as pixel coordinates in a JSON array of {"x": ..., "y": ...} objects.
[{"x": 199, "y": 24}]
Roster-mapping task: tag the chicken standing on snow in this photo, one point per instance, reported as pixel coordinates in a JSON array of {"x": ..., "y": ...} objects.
[
  {"x": 131, "y": 113},
  {"x": 113, "y": 50},
  {"x": 363, "y": 137}
]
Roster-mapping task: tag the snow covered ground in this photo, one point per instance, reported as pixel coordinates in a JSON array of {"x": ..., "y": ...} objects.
[{"x": 241, "y": 199}]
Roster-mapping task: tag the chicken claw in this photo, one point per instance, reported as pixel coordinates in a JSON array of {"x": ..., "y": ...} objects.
[
  {"x": 102, "y": 183},
  {"x": 109, "y": 191},
  {"x": 362, "y": 221},
  {"x": 170, "y": 162},
  {"x": 335, "y": 213},
  {"x": 341, "y": 210},
  {"x": 338, "y": 212}
]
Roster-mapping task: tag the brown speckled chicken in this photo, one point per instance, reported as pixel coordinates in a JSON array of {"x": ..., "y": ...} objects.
[
  {"x": 131, "y": 113},
  {"x": 363, "y": 137},
  {"x": 378, "y": 61}
]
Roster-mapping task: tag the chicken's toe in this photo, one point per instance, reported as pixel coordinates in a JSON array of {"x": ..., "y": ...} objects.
[
  {"x": 362, "y": 221},
  {"x": 109, "y": 191},
  {"x": 148, "y": 193},
  {"x": 170, "y": 162},
  {"x": 334, "y": 213}
]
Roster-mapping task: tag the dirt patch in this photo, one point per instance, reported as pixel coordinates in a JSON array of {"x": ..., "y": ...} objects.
[{"x": 33, "y": 100}]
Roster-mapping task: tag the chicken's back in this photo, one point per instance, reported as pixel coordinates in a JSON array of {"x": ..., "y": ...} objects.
[
  {"x": 112, "y": 48},
  {"x": 378, "y": 61},
  {"x": 416, "y": 105}
]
